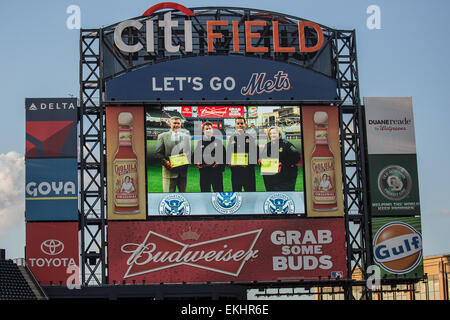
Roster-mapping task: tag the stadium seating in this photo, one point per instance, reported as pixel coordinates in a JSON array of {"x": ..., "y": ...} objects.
[{"x": 13, "y": 285}]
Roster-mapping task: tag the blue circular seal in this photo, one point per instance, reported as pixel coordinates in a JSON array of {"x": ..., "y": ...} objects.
[
  {"x": 227, "y": 202},
  {"x": 174, "y": 205},
  {"x": 279, "y": 203}
]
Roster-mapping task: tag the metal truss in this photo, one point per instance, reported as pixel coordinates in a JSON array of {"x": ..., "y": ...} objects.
[
  {"x": 92, "y": 161},
  {"x": 95, "y": 43}
]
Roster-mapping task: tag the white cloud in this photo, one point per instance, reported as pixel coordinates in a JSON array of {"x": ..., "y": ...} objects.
[{"x": 12, "y": 190}]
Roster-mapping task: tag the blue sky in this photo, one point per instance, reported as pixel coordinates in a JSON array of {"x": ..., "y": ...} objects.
[{"x": 408, "y": 56}]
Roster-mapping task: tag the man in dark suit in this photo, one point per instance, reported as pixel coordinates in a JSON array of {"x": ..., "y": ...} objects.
[
  {"x": 173, "y": 150},
  {"x": 242, "y": 155}
]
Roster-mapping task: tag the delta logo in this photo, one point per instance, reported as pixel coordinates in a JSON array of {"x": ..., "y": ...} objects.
[
  {"x": 50, "y": 139},
  {"x": 397, "y": 248}
]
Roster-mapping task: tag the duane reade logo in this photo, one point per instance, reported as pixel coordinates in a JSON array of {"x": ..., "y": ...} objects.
[
  {"x": 390, "y": 125},
  {"x": 54, "y": 189},
  {"x": 397, "y": 247}
]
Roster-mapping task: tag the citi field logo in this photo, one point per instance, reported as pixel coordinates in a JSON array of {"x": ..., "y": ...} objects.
[{"x": 397, "y": 247}]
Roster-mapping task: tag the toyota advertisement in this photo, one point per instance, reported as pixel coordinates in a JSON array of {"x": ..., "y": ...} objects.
[
  {"x": 225, "y": 251},
  {"x": 52, "y": 251}
]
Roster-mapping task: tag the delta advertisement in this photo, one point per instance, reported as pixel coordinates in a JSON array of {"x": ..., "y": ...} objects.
[
  {"x": 226, "y": 250},
  {"x": 397, "y": 246},
  {"x": 52, "y": 251},
  {"x": 323, "y": 169},
  {"x": 51, "y": 127},
  {"x": 392, "y": 161}
]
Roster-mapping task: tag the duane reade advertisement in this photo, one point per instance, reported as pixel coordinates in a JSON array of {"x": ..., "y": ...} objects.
[{"x": 390, "y": 126}]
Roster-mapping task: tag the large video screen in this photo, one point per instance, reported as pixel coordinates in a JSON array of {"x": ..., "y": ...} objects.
[{"x": 224, "y": 160}]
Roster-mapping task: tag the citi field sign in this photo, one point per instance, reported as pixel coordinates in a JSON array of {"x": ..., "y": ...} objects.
[{"x": 250, "y": 36}]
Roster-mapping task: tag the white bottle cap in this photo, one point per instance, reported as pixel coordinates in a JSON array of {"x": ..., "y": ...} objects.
[
  {"x": 321, "y": 117},
  {"x": 125, "y": 119}
]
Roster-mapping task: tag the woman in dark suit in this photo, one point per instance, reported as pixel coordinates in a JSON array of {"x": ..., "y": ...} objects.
[{"x": 288, "y": 157}]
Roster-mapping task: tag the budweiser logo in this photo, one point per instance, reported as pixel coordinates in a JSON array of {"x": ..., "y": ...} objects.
[{"x": 225, "y": 255}]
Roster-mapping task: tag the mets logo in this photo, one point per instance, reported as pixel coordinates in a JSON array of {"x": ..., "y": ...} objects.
[
  {"x": 397, "y": 247},
  {"x": 174, "y": 205},
  {"x": 279, "y": 203},
  {"x": 227, "y": 202}
]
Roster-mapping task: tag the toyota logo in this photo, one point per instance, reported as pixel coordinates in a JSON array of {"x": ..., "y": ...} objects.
[{"x": 52, "y": 247}]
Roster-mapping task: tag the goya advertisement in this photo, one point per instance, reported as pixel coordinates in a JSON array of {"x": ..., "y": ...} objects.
[
  {"x": 397, "y": 246},
  {"x": 51, "y": 189},
  {"x": 226, "y": 250},
  {"x": 323, "y": 170},
  {"x": 125, "y": 163}
]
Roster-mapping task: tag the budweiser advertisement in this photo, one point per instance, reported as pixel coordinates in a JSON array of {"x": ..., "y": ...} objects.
[
  {"x": 224, "y": 251},
  {"x": 52, "y": 251}
]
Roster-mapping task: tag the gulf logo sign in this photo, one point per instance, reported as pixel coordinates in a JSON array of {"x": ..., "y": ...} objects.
[{"x": 397, "y": 247}]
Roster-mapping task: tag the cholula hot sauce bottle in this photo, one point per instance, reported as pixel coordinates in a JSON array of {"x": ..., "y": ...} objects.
[
  {"x": 125, "y": 169},
  {"x": 322, "y": 167}
]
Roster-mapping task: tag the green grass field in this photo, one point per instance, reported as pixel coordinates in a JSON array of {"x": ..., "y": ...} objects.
[{"x": 154, "y": 175}]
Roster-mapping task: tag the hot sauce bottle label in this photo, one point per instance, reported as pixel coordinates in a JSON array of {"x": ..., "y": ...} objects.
[
  {"x": 323, "y": 177},
  {"x": 125, "y": 137},
  {"x": 321, "y": 135},
  {"x": 125, "y": 183}
]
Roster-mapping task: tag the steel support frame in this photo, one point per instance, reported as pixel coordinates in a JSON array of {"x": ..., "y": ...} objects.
[{"x": 92, "y": 162}]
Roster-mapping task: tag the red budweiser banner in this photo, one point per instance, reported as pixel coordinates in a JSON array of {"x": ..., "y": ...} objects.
[{"x": 224, "y": 251}]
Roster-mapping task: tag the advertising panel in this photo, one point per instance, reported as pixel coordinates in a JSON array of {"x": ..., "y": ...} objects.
[
  {"x": 390, "y": 125},
  {"x": 125, "y": 154},
  {"x": 323, "y": 171},
  {"x": 51, "y": 190},
  {"x": 194, "y": 168},
  {"x": 218, "y": 78},
  {"x": 226, "y": 250},
  {"x": 393, "y": 178},
  {"x": 52, "y": 251},
  {"x": 397, "y": 246},
  {"x": 394, "y": 188},
  {"x": 51, "y": 127}
]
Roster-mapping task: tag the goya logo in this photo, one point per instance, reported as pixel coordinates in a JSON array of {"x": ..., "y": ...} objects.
[
  {"x": 279, "y": 203},
  {"x": 174, "y": 205},
  {"x": 227, "y": 202},
  {"x": 397, "y": 247},
  {"x": 51, "y": 190}
]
